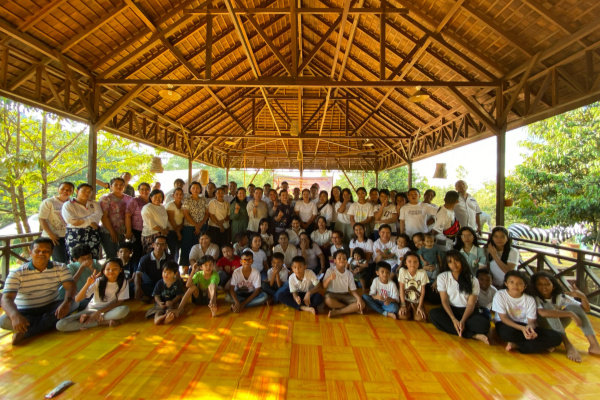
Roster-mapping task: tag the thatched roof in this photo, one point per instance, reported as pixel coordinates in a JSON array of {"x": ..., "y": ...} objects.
[{"x": 272, "y": 82}]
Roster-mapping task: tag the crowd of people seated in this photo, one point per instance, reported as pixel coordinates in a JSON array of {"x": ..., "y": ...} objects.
[{"x": 338, "y": 252}]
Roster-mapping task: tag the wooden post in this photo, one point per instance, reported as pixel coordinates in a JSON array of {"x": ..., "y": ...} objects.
[
  {"x": 190, "y": 162},
  {"x": 257, "y": 171},
  {"x": 500, "y": 175},
  {"x": 410, "y": 173},
  {"x": 92, "y": 156}
]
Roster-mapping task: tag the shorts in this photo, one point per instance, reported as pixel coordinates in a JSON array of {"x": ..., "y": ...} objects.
[{"x": 345, "y": 298}]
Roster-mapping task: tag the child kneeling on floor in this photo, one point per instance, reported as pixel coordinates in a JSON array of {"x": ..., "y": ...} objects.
[
  {"x": 109, "y": 289},
  {"x": 167, "y": 294},
  {"x": 383, "y": 297},
  {"x": 303, "y": 290},
  {"x": 341, "y": 296},
  {"x": 202, "y": 286},
  {"x": 516, "y": 318}
]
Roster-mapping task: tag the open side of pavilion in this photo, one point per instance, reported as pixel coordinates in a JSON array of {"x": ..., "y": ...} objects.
[{"x": 307, "y": 84}]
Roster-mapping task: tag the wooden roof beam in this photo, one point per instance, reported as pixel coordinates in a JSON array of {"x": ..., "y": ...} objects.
[
  {"x": 299, "y": 10},
  {"x": 472, "y": 108},
  {"x": 41, "y": 14}
]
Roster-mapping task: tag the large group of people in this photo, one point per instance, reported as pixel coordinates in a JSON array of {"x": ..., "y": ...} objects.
[{"x": 309, "y": 249}]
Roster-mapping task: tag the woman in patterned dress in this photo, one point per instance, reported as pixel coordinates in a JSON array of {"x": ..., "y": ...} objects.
[{"x": 195, "y": 216}]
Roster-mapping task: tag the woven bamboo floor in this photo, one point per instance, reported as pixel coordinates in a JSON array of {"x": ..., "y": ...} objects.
[{"x": 278, "y": 353}]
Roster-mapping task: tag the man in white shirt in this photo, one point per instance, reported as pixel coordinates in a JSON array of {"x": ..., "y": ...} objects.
[
  {"x": 232, "y": 192},
  {"x": 413, "y": 215},
  {"x": 467, "y": 210},
  {"x": 266, "y": 191}
]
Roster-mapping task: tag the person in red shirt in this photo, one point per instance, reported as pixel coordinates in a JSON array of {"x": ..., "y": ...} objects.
[{"x": 227, "y": 264}]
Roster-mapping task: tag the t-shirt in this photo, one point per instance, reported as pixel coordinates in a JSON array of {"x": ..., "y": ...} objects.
[
  {"x": 283, "y": 274},
  {"x": 134, "y": 207},
  {"x": 111, "y": 294},
  {"x": 475, "y": 258},
  {"x": 413, "y": 285},
  {"x": 219, "y": 209},
  {"x": 306, "y": 284},
  {"x": 294, "y": 237},
  {"x": 321, "y": 238},
  {"x": 447, "y": 283},
  {"x": 326, "y": 211},
  {"x": 384, "y": 289},
  {"x": 240, "y": 283},
  {"x": 199, "y": 280},
  {"x": 388, "y": 212},
  {"x": 400, "y": 253},
  {"x": 51, "y": 210},
  {"x": 196, "y": 252},
  {"x": 259, "y": 258},
  {"x": 35, "y": 288},
  {"x": 367, "y": 245},
  {"x": 497, "y": 273},
  {"x": 443, "y": 220},
  {"x": 486, "y": 297},
  {"x": 386, "y": 248},
  {"x": 562, "y": 301},
  {"x": 306, "y": 210},
  {"x": 288, "y": 254},
  {"x": 229, "y": 265},
  {"x": 431, "y": 256},
  {"x": 361, "y": 211},
  {"x": 168, "y": 293},
  {"x": 311, "y": 256},
  {"x": 415, "y": 217},
  {"x": 177, "y": 213},
  {"x": 342, "y": 218},
  {"x": 343, "y": 282},
  {"x": 262, "y": 211},
  {"x": 466, "y": 211},
  {"x": 519, "y": 310}
]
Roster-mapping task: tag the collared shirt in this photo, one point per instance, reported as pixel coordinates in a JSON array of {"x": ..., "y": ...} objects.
[
  {"x": 151, "y": 268},
  {"x": 90, "y": 213},
  {"x": 51, "y": 210},
  {"x": 36, "y": 288},
  {"x": 466, "y": 211}
]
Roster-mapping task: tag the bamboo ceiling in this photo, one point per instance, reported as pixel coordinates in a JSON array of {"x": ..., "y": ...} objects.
[{"x": 272, "y": 83}]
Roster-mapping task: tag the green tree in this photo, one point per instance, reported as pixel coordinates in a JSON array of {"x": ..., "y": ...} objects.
[
  {"x": 559, "y": 182},
  {"x": 394, "y": 179}
]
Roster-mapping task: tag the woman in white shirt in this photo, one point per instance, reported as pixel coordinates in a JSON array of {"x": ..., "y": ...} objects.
[
  {"x": 458, "y": 288},
  {"x": 156, "y": 220},
  {"x": 343, "y": 218},
  {"x": 82, "y": 216},
  {"x": 52, "y": 222},
  {"x": 306, "y": 210},
  {"x": 218, "y": 219},
  {"x": 315, "y": 260},
  {"x": 322, "y": 236},
  {"x": 257, "y": 210},
  {"x": 501, "y": 256},
  {"x": 324, "y": 208}
]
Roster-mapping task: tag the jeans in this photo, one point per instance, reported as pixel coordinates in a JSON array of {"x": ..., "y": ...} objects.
[
  {"x": 41, "y": 319},
  {"x": 287, "y": 298},
  {"x": 379, "y": 306},
  {"x": 257, "y": 301}
]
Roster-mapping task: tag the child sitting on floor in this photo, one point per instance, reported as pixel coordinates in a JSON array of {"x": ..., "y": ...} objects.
[
  {"x": 227, "y": 264},
  {"x": 431, "y": 259},
  {"x": 167, "y": 295},
  {"x": 245, "y": 288},
  {"x": 341, "y": 296},
  {"x": 412, "y": 281},
  {"x": 110, "y": 290},
  {"x": 259, "y": 256},
  {"x": 383, "y": 297},
  {"x": 516, "y": 318},
  {"x": 202, "y": 286},
  {"x": 487, "y": 291},
  {"x": 277, "y": 276},
  {"x": 557, "y": 309},
  {"x": 418, "y": 241},
  {"x": 303, "y": 290}
]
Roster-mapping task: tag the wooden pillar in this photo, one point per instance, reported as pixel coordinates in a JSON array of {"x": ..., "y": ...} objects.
[
  {"x": 92, "y": 156},
  {"x": 410, "y": 173},
  {"x": 227, "y": 176},
  {"x": 190, "y": 162},
  {"x": 500, "y": 175}
]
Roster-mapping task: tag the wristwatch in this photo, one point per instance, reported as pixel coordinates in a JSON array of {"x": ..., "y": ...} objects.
[{"x": 70, "y": 299}]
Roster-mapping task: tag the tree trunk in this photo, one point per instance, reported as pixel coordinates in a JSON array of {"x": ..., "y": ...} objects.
[
  {"x": 44, "y": 162},
  {"x": 19, "y": 192}
]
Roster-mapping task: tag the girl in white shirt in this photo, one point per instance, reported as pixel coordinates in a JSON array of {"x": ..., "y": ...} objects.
[
  {"x": 306, "y": 210},
  {"x": 516, "y": 318},
  {"x": 361, "y": 211},
  {"x": 458, "y": 288},
  {"x": 110, "y": 290},
  {"x": 343, "y": 218},
  {"x": 324, "y": 208},
  {"x": 156, "y": 220},
  {"x": 322, "y": 235},
  {"x": 501, "y": 256}
]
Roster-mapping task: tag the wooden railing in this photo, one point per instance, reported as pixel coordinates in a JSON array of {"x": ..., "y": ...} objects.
[
  {"x": 580, "y": 270},
  {"x": 8, "y": 247}
]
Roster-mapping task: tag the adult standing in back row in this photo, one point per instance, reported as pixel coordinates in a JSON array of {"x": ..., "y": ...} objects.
[
  {"x": 413, "y": 215},
  {"x": 467, "y": 210}
]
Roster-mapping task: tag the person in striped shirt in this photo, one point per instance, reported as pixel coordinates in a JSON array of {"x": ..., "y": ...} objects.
[{"x": 30, "y": 299}]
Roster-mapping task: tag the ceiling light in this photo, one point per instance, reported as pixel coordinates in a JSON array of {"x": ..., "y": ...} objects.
[
  {"x": 169, "y": 94},
  {"x": 418, "y": 96},
  {"x": 230, "y": 143}
]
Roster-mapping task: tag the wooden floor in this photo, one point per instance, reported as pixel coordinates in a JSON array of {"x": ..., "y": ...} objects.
[{"x": 278, "y": 353}]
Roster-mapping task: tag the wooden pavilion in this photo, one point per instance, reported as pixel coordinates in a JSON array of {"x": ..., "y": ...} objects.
[{"x": 312, "y": 84}]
